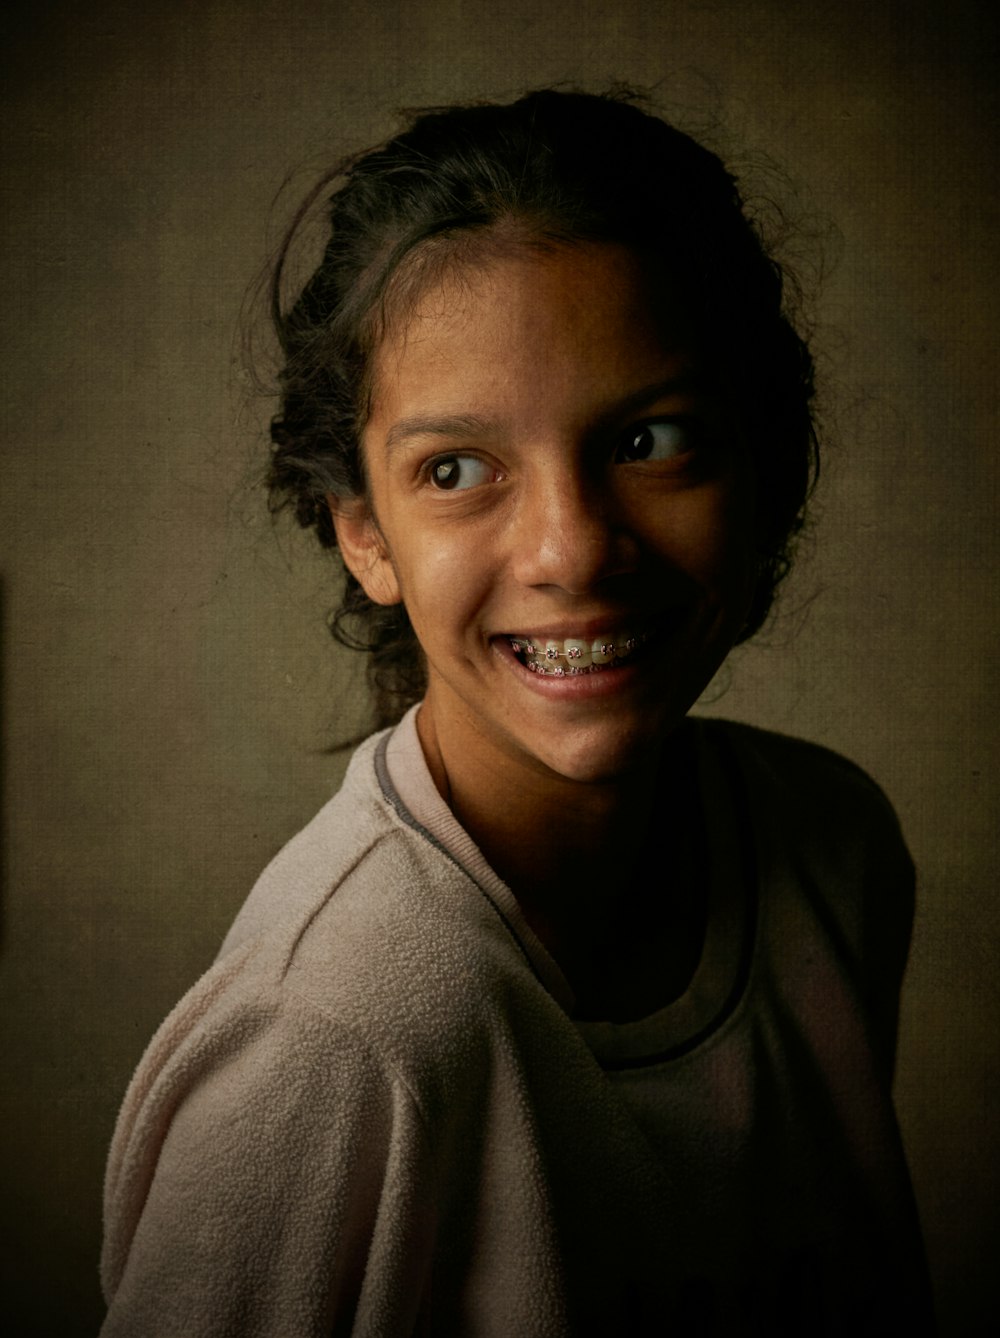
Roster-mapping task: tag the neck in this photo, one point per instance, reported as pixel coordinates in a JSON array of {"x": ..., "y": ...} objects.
[
  {"x": 566, "y": 848},
  {"x": 607, "y": 873}
]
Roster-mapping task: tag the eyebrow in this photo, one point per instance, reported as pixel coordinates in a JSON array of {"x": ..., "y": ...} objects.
[
  {"x": 688, "y": 381},
  {"x": 438, "y": 425}
]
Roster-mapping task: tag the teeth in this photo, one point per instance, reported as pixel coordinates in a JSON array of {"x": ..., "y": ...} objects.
[
  {"x": 578, "y": 653},
  {"x": 574, "y": 656}
]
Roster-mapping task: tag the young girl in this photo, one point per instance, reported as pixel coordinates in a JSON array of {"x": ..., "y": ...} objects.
[{"x": 569, "y": 1014}]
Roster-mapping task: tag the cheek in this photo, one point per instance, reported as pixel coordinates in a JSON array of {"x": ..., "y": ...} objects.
[
  {"x": 737, "y": 552},
  {"x": 736, "y": 515},
  {"x": 737, "y": 534},
  {"x": 444, "y": 582},
  {"x": 709, "y": 534}
]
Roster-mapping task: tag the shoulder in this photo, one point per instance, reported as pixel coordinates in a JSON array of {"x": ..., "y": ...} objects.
[
  {"x": 823, "y": 832},
  {"x": 364, "y": 931},
  {"x": 816, "y": 789},
  {"x": 343, "y": 834},
  {"x": 362, "y": 988},
  {"x": 358, "y": 872},
  {"x": 819, "y": 814}
]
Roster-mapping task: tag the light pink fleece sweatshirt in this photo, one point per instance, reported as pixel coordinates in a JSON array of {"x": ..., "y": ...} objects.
[{"x": 376, "y": 1114}]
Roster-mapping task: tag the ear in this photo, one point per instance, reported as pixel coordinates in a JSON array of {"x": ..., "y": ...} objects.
[{"x": 363, "y": 548}]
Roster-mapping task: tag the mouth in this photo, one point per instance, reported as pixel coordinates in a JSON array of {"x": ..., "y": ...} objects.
[{"x": 566, "y": 656}]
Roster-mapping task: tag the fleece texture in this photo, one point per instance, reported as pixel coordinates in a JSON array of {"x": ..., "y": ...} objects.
[{"x": 376, "y": 1114}]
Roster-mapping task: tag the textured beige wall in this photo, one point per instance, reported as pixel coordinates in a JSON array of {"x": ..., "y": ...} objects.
[{"x": 168, "y": 683}]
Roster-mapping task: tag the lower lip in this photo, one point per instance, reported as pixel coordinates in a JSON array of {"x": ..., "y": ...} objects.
[{"x": 579, "y": 687}]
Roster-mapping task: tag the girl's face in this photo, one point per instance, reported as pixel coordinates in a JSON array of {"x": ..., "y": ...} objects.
[{"x": 562, "y": 506}]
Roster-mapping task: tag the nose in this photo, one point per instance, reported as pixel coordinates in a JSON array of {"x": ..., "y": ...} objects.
[{"x": 568, "y": 533}]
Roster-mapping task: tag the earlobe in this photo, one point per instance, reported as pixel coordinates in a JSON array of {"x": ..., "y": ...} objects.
[{"x": 363, "y": 548}]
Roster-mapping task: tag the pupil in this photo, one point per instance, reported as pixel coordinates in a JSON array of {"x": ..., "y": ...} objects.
[
  {"x": 446, "y": 473},
  {"x": 640, "y": 445}
]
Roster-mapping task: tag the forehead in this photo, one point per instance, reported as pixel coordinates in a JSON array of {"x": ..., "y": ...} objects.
[{"x": 528, "y": 325}]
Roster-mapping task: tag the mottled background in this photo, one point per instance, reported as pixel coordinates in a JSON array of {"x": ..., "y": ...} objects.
[{"x": 169, "y": 687}]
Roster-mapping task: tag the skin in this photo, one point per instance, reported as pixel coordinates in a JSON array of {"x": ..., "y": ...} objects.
[{"x": 527, "y": 378}]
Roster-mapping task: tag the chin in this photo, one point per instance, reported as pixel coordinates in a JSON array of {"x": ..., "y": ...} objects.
[{"x": 595, "y": 758}]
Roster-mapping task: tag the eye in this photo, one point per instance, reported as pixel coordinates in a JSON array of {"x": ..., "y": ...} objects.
[
  {"x": 655, "y": 441},
  {"x": 452, "y": 472}
]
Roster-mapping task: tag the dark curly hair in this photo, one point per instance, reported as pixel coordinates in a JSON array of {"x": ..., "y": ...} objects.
[{"x": 561, "y": 166}]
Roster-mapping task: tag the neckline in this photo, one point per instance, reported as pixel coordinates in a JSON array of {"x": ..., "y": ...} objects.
[{"x": 719, "y": 979}]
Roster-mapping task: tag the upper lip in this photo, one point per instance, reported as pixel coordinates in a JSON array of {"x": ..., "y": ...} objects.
[{"x": 589, "y": 628}]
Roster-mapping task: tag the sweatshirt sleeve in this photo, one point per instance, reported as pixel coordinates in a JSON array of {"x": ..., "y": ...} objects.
[{"x": 268, "y": 1176}]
